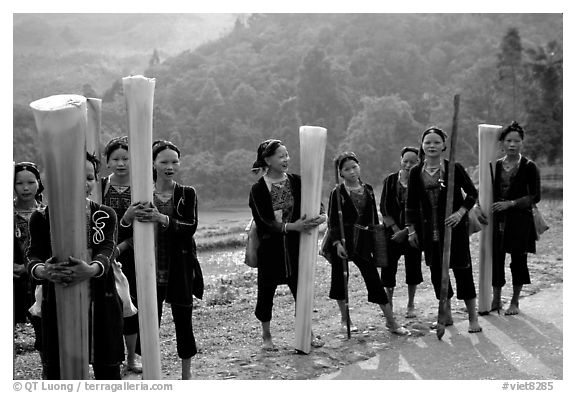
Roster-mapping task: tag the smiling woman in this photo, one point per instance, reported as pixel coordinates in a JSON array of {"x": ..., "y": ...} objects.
[{"x": 174, "y": 211}]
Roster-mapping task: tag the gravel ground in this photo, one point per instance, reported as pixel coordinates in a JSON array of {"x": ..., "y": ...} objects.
[{"x": 228, "y": 334}]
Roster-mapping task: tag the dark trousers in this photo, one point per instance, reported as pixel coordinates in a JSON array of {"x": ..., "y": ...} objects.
[
  {"x": 464, "y": 279},
  {"x": 182, "y": 315},
  {"x": 131, "y": 325},
  {"x": 518, "y": 268},
  {"x": 376, "y": 292},
  {"x": 412, "y": 263},
  {"x": 129, "y": 270},
  {"x": 265, "y": 300}
]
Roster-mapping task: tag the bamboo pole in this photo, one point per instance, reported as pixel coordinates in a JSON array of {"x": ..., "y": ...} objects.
[
  {"x": 345, "y": 270},
  {"x": 94, "y": 106},
  {"x": 139, "y": 93},
  {"x": 312, "y": 149},
  {"x": 442, "y": 309},
  {"x": 61, "y": 124},
  {"x": 487, "y": 154}
]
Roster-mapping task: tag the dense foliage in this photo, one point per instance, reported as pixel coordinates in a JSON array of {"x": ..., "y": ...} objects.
[{"x": 375, "y": 81}]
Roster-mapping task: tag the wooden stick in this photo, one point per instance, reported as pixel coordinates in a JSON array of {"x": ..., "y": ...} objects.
[
  {"x": 312, "y": 148},
  {"x": 139, "y": 93},
  {"x": 94, "y": 106},
  {"x": 487, "y": 153},
  {"x": 61, "y": 124},
  {"x": 443, "y": 302},
  {"x": 343, "y": 241}
]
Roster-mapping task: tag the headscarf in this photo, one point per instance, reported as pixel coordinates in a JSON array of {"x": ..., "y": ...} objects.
[{"x": 265, "y": 149}]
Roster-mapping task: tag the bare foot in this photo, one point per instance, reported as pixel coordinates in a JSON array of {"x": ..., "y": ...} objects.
[
  {"x": 512, "y": 310},
  {"x": 410, "y": 312},
  {"x": 267, "y": 344},
  {"x": 474, "y": 327}
]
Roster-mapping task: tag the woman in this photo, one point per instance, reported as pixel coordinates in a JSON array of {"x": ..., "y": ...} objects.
[
  {"x": 516, "y": 190},
  {"x": 425, "y": 220},
  {"x": 358, "y": 210},
  {"x": 392, "y": 207},
  {"x": 178, "y": 275},
  {"x": 28, "y": 199},
  {"x": 275, "y": 204},
  {"x": 116, "y": 194},
  {"x": 107, "y": 352}
]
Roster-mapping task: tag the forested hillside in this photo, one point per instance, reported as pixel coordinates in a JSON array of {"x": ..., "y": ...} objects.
[{"x": 375, "y": 81}]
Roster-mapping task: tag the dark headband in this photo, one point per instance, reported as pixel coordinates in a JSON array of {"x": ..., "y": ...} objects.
[
  {"x": 343, "y": 157},
  {"x": 406, "y": 149},
  {"x": 160, "y": 145},
  {"x": 30, "y": 167},
  {"x": 435, "y": 130},
  {"x": 120, "y": 142}
]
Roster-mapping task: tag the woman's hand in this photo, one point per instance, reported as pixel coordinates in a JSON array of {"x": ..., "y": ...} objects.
[
  {"x": 341, "y": 251},
  {"x": 400, "y": 235},
  {"x": 79, "y": 270},
  {"x": 131, "y": 212},
  {"x": 151, "y": 213},
  {"x": 305, "y": 225},
  {"x": 53, "y": 271},
  {"x": 453, "y": 219},
  {"x": 413, "y": 237},
  {"x": 502, "y": 205},
  {"x": 482, "y": 218}
]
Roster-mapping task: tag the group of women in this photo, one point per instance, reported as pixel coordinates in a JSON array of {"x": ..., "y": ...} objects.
[{"x": 412, "y": 205}]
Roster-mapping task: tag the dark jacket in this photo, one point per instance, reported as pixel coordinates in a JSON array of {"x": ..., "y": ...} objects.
[
  {"x": 278, "y": 252},
  {"x": 185, "y": 278},
  {"x": 519, "y": 233},
  {"x": 419, "y": 211},
  {"x": 360, "y": 245},
  {"x": 392, "y": 209},
  {"x": 106, "y": 340}
]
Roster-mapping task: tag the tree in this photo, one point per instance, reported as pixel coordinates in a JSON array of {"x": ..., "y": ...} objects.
[
  {"x": 509, "y": 62},
  {"x": 544, "y": 101},
  {"x": 320, "y": 101},
  {"x": 209, "y": 120},
  {"x": 378, "y": 133}
]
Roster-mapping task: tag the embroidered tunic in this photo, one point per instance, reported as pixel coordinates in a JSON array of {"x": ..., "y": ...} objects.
[
  {"x": 432, "y": 188},
  {"x": 282, "y": 200},
  {"x": 118, "y": 198}
]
